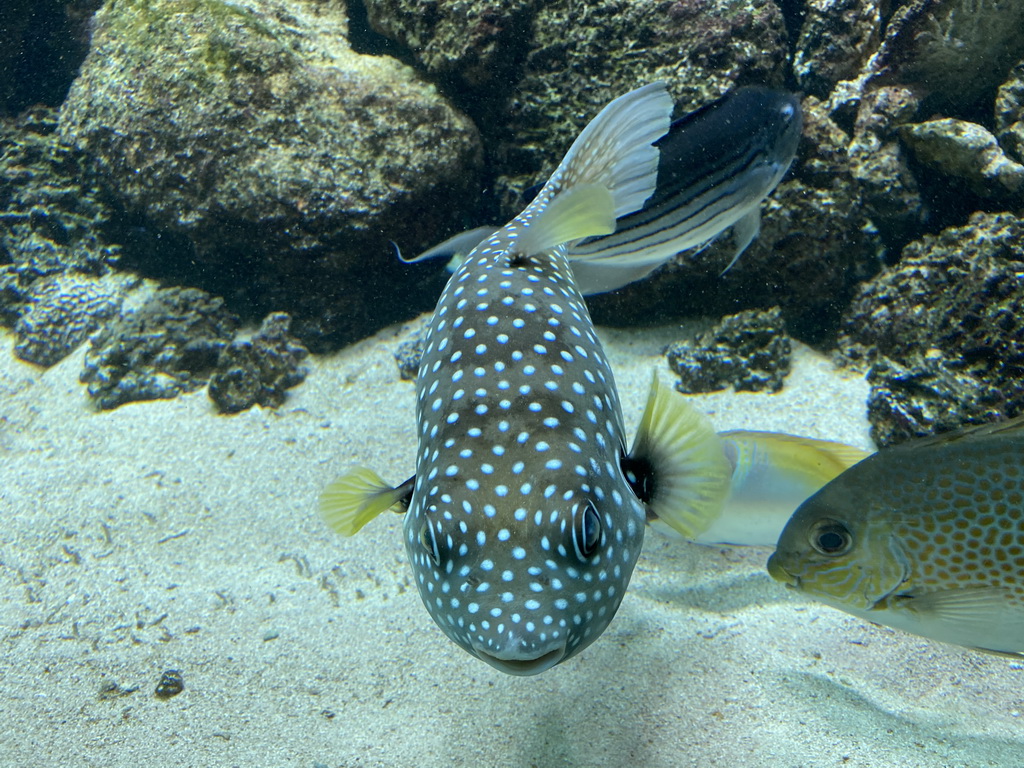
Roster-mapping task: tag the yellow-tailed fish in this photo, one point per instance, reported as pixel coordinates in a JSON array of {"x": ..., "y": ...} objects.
[
  {"x": 717, "y": 164},
  {"x": 927, "y": 537},
  {"x": 771, "y": 475},
  {"x": 526, "y": 513}
]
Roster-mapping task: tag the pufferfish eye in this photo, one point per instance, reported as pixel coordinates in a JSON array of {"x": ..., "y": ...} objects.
[
  {"x": 586, "y": 530},
  {"x": 830, "y": 537},
  {"x": 428, "y": 540}
]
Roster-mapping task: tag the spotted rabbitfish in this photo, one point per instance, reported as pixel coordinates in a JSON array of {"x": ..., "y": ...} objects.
[
  {"x": 927, "y": 537},
  {"x": 526, "y": 513}
]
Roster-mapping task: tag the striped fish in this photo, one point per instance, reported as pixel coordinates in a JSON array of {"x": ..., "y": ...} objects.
[
  {"x": 716, "y": 166},
  {"x": 526, "y": 513}
]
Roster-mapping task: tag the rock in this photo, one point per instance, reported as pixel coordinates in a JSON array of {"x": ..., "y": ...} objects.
[
  {"x": 408, "y": 355},
  {"x": 254, "y": 130},
  {"x": 260, "y": 370},
  {"x": 967, "y": 153},
  {"x": 55, "y": 216},
  {"x": 480, "y": 47},
  {"x": 748, "y": 350},
  {"x": 878, "y": 164},
  {"x": 959, "y": 295},
  {"x": 1009, "y": 114},
  {"x": 952, "y": 53},
  {"x": 62, "y": 310},
  {"x": 167, "y": 346},
  {"x": 836, "y": 38},
  {"x": 926, "y": 397}
]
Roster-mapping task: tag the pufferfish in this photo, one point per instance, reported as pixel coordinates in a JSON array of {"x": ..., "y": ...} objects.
[
  {"x": 526, "y": 514},
  {"x": 927, "y": 537}
]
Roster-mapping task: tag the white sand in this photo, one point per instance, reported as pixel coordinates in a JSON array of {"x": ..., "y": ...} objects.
[{"x": 162, "y": 536}]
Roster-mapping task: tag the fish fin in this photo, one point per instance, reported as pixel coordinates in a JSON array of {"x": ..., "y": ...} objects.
[
  {"x": 690, "y": 474},
  {"x": 743, "y": 233},
  {"x": 358, "y": 496},
  {"x": 616, "y": 149},
  {"x": 980, "y": 612},
  {"x": 1005, "y": 428},
  {"x": 584, "y": 210},
  {"x": 822, "y": 459},
  {"x": 454, "y": 247},
  {"x": 598, "y": 277}
]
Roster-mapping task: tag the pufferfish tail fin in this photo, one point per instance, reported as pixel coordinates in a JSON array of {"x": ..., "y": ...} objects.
[
  {"x": 358, "y": 496},
  {"x": 609, "y": 171},
  {"x": 679, "y": 467}
]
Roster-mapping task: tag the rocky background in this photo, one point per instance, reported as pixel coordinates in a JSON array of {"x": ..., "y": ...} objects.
[{"x": 173, "y": 171}]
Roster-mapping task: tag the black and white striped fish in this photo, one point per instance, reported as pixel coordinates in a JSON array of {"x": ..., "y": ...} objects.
[
  {"x": 717, "y": 164},
  {"x": 526, "y": 513}
]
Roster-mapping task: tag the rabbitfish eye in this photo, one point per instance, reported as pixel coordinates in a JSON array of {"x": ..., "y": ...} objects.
[
  {"x": 586, "y": 531},
  {"x": 830, "y": 537}
]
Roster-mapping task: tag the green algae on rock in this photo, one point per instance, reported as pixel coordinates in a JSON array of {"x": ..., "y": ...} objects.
[
  {"x": 253, "y": 129},
  {"x": 748, "y": 351}
]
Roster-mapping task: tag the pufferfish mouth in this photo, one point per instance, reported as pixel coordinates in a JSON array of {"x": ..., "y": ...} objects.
[{"x": 524, "y": 667}]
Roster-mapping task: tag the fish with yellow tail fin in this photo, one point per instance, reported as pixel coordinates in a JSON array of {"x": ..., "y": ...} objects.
[
  {"x": 772, "y": 474},
  {"x": 768, "y": 475},
  {"x": 526, "y": 514},
  {"x": 927, "y": 537}
]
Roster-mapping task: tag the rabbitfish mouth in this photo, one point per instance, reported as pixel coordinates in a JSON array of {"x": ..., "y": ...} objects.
[{"x": 777, "y": 572}]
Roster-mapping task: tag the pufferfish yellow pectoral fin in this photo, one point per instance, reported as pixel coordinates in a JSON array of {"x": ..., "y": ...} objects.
[
  {"x": 358, "y": 496},
  {"x": 689, "y": 472}
]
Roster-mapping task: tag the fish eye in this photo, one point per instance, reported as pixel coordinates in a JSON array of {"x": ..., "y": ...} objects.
[
  {"x": 830, "y": 537},
  {"x": 788, "y": 111},
  {"x": 428, "y": 540},
  {"x": 586, "y": 531}
]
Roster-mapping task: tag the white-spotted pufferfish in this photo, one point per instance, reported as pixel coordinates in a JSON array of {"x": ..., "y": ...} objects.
[{"x": 526, "y": 513}]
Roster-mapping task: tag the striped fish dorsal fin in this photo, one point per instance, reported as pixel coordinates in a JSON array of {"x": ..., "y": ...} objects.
[{"x": 358, "y": 496}]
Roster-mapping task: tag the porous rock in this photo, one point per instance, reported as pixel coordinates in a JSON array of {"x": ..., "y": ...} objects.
[
  {"x": 167, "y": 346},
  {"x": 260, "y": 370},
  {"x": 748, "y": 351}
]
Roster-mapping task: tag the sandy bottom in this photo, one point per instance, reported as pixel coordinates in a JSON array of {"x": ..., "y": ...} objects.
[{"x": 163, "y": 537}]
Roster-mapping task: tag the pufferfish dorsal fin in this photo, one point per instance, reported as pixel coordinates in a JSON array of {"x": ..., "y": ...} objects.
[
  {"x": 358, "y": 496},
  {"x": 689, "y": 474},
  {"x": 584, "y": 211}
]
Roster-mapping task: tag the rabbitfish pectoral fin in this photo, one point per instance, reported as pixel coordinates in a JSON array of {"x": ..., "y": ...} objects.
[
  {"x": 986, "y": 618},
  {"x": 358, "y": 496},
  {"x": 687, "y": 473}
]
